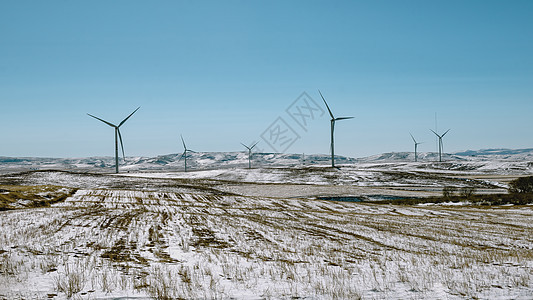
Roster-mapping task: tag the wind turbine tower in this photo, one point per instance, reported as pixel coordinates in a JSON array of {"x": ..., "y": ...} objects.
[
  {"x": 416, "y": 146},
  {"x": 117, "y": 136},
  {"x": 440, "y": 142},
  {"x": 333, "y": 120},
  {"x": 249, "y": 154}
]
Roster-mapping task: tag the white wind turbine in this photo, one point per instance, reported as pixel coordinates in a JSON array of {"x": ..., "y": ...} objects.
[
  {"x": 440, "y": 142},
  {"x": 333, "y": 120},
  {"x": 416, "y": 146},
  {"x": 250, "y": 153},
  {"x": 184, "y": 154},
  {"x": 117, "y": 136}
]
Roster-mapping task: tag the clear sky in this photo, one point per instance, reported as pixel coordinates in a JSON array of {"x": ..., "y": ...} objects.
[{"x": 224, "y": 72}]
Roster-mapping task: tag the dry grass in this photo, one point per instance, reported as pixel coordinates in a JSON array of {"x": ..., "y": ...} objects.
[
  {"x": 19, "y": 196},
  {"x": 193, "y": 245}
]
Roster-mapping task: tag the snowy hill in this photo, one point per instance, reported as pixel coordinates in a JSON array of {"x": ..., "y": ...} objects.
[
  {"x": 169, "y": 162},
  {"x": 508, "y": 160},
  {"x": 224, "y": 160},
  {"x": 508, "y": 154},
  {"x": 468, "y": 155}
]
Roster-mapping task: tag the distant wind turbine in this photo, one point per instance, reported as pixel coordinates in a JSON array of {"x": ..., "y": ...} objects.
[
  {"x": 184, "y": 154},
  {"x": 416, "y": 146},
  {"x": 440, "y": 142},
  {"x": 249, "y": 154},
  {"x": 333, "y": 120},
  {"x": 117, "y": 136}
]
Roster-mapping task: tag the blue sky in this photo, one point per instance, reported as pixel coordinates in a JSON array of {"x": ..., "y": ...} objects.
[{"x": 221, "y": 72}]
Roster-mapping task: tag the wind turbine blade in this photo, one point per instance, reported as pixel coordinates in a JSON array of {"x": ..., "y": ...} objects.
[
  {"x": 110, "y": 124},
  {"x": 121, "y": 144},
  {"x": 343, "y": 118},
  {"x": 435, "y": 133},
  {"x": 246, "y": 146},
  {"x": 254, "y": 145},
  {"x": 123, "y": 121},
  {"x": 184, "y": 147},
  {"x": 329, "y": 110},
  {"x": 181, "y": 156},
  {"x": 413, "y": 138},
  {"x": 445, "y": 132}
]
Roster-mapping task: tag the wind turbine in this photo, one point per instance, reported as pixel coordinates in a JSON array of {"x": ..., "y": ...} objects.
[
  {"x": 333, "y": 120},
  {"x": 117, "y": 136},
  {"x": 416, "y": 145},
  {"x": 249, "y": 154},
  {"x": 184, "y": 154},
  {"x": 440, "y": 142}
]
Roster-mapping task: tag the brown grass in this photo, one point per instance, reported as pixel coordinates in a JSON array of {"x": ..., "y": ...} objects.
[{"x": 19, "y": 196}]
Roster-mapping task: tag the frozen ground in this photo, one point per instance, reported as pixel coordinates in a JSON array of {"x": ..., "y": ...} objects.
[
  {"x": 103, "y": 243},
  {"x": 354, "y": 180},
  {"x": 260, "y": 234}
]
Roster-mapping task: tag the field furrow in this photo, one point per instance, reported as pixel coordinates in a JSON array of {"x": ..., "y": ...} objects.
[{"x": 102, "y": 242}]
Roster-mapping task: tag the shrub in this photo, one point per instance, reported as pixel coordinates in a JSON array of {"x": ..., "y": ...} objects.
[
  {"x": 467, "y": 191},
  {"x": 448, "y": 191},
  {"x": 521, "y": 185}
]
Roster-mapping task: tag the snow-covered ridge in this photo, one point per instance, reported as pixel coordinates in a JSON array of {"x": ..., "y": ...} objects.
[
  {"x": 170, "y": 162},
  {"x": 485, "y": 159}
]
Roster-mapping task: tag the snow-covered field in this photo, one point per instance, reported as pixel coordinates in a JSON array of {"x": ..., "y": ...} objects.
[
  {"x": 235, "y": 233},
  {"x": 109, "y": 243}
]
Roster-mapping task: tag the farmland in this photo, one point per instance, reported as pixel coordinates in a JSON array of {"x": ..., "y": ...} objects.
[{"x": 144, "y": 237}]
